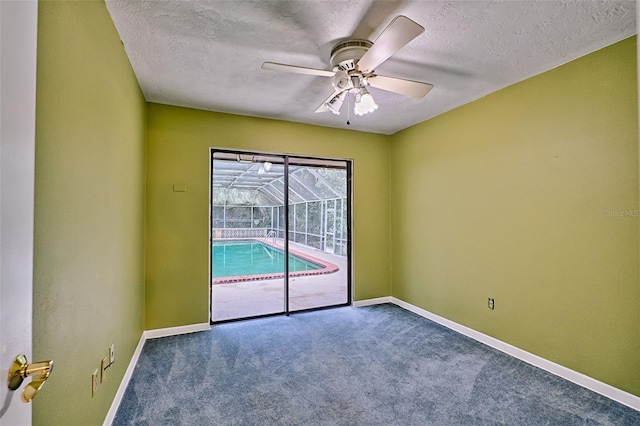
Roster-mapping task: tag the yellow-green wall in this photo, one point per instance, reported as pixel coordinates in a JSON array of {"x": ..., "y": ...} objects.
[
  {"x": 177, "y": 222},
  {"x": 514, "y": 196},
  {"x": 89, "y": 210},
  {"x": 517, "y": 196}
]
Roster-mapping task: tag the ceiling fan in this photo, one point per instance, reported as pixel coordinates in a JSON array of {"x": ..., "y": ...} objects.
[{"x": 353, "y": 68}]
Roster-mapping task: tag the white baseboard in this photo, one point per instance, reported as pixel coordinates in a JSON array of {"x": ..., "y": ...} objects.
[
  {"x": 148, "y": 334},
  {"x": 174, "y": 331},
  {"x": 111, "y": 414},
  {"x": 369, "y": 302},
  {"x": 594, "y": 385}
]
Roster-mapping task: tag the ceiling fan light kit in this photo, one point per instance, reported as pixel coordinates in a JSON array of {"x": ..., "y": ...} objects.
[
  {"x": 354, "y": 63},
  {"x": 335, "y": 103},
  {"x": 364, "y": 103}
]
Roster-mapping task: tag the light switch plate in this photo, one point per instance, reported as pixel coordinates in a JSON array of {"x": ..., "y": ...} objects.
[
  {"x": 112, "y": 354},
  {"x": 103, "y": 369}
]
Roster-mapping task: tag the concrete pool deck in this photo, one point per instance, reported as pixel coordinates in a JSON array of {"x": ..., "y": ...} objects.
[{"x": 262, "y": 297}]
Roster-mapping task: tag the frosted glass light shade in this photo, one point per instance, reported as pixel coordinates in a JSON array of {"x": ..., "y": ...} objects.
[{"x": 365, "y": 105}]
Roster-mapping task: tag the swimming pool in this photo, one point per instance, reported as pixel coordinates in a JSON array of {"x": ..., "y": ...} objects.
[{"x": 245, "y": 260}]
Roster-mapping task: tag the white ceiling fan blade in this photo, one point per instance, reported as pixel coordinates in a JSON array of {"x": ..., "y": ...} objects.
[
  {"x": 273, "y": 66},
  {"x": 324, "y": 105},
  {"x": 397, "y": 34},
  {"x": 415, "y": 89}
]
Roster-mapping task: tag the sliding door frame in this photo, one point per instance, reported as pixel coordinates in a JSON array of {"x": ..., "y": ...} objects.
[
  {"x": 285, "y": 240},
  {"x": 349, "y": 242}
]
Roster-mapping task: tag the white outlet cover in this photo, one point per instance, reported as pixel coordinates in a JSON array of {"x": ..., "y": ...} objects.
[
  {"x": 103, "y": 369},
  {"x": 94, "y": 382}
]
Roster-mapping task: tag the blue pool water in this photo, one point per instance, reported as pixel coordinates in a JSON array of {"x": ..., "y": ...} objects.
[{"x": 234, "y": 258}]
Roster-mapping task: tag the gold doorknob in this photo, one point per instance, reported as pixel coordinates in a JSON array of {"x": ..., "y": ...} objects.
[{"x": 21, "y": 369}]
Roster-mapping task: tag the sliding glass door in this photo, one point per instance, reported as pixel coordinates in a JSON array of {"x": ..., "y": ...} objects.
[
  {"x": 247, "y": 263},
  {"x": 318, "y": 233},
  {"x": 280, "y": 234}
]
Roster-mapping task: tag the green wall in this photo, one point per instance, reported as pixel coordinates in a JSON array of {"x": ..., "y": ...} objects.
[
  {"x": 89, "y": 210},
  {"x": 517, "y": 196},
  {"x": 177, "y": 222}
]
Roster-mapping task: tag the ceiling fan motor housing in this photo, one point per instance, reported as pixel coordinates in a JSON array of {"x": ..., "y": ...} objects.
[{"x": 345, "y": 55}]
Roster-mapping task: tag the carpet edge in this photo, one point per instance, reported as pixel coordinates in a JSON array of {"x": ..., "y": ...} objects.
[
  {"x": 573, "y": 376},
  {"x": 115, "y": 404},
  {"x": 146, "y": 335}
]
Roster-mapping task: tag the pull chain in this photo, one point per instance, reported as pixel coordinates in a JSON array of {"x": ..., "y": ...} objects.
[{"x": 348, "y": 109}]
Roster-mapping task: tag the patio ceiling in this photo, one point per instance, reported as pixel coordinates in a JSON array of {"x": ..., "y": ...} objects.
[{"x": 266, "y": 177}]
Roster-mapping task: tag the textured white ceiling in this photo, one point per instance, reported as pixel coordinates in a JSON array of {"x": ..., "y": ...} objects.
[{"x": 207, "y": 54}]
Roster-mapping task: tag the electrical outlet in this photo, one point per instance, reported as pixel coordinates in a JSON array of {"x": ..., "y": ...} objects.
[
  {"x": 491, "y": 303},
  {"x": 103, "y": 369},
  {"x": 94, "y": 383},
  {"x": 112, "y": 354}
]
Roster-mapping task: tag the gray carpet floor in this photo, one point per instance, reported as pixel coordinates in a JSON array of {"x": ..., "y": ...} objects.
[{"x": 377, "y": 365}]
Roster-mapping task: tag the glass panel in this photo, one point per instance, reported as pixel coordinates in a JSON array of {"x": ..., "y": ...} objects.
[
  {"x": 281, "y": 228},
  {"x": 218, "y": 216},
  {"x": 324, "y": 183},
  {"x": 300, "y": 217},
  {"x": 318, "y": 262},
  {"x": 261, "y": 217},
  {"x": 247, "y": 257},
  {"x": 249, "y": 222}
]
